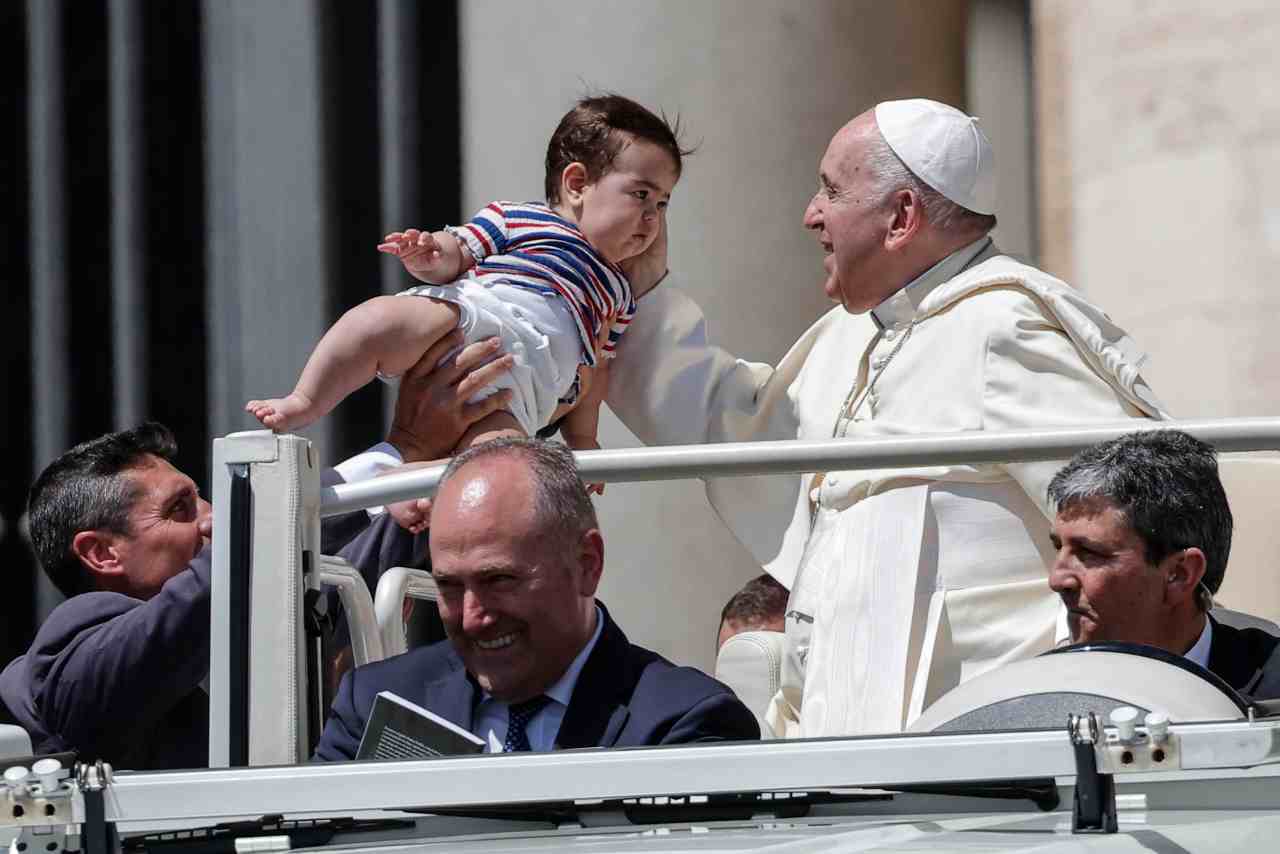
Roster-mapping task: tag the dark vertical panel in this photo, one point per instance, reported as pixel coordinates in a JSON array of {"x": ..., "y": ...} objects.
[
  {"x": 348, "y": 78},
  {"x": 399, "y": 59},
  {"x": 174, "y": 210},
  {"x": 17, "y": 618},
  {"x": 422, "y": 137},
  {"x": 240, "y": 571},
  {"x": 392, "y": 87},
  {"x": 420, "y": 112},
  {"x": 49, "y": 293},
  {"x": 439, "y": 93},
  {"x": 128, "y": 220},
  {"x": 87, "y": 238}
]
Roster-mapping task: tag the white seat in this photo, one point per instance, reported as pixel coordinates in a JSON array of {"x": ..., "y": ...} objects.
[
  {"x": 14, "y": 741},
  {"x": 357, "y": 604},
  {"x": 388, "y": 603},
  {"x": 1252, "y": 580},
  {"x": 751, "y": 664},
  {"x": 1041, "y": 692}
]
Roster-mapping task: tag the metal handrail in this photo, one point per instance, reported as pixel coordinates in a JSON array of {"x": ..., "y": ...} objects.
[{"x": 736, "y": 459}]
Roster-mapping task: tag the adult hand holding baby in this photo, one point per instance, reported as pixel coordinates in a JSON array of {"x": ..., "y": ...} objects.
[
  {"x": 432, "y": 412},
  {"x": 646, "y": 270}
]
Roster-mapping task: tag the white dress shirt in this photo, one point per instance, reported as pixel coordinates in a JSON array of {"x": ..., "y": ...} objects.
[
  {"x": 1199, "y": 652},
  {"x": 490, "y": 721},
  {"x": 370, "y": 463}
]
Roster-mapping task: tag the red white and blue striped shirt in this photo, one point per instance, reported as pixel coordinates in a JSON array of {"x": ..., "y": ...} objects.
[{"x": 528, "y": 245}]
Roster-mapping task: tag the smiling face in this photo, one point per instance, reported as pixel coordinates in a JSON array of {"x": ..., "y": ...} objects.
[
  {"x": 517, "y": 603},
  {"x": 167, "y": 527},
  {"x": 1111, "y": 591},
  {"x": 851, "y": 218},
  {"x": 619, "y": 213}
]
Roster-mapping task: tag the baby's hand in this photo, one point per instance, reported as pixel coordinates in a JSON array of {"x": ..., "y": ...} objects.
[
  {"x": 584, "y": 443},
  {"x": 602, "y": 339},
  {"x": 413, "y": 515},
  {"x": 419, "y": 252}
]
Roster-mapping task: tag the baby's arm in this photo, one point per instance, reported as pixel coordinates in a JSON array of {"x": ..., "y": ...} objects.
[
  {"x": 582, "y": 424},
  {"x": 437, "y": 259}
]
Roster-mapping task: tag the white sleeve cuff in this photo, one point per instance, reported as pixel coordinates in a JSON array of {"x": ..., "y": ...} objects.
[{"x": 370, "y": 463}]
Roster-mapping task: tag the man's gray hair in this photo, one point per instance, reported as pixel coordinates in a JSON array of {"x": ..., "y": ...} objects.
[
  {"x": 1166, "y": 485},
  {"x": 890, "y": 174},
  {"x": 564, "y": 508}
]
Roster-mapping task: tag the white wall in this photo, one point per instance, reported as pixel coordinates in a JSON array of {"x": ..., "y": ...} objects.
[
  {"x": 760, "y": 86},
  {"x": 1161, "y": 129}
]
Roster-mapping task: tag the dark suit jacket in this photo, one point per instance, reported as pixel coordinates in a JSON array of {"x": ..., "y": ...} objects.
[
  {"x": 1247, "y": 659},
  {"x": 117, "y": 678},
  {"x": 626, "y": 696}
]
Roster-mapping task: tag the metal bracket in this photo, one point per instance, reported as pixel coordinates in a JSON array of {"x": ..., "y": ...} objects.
[
  {"x": 1094, "y": 803},
  {"x": 41, "y": 803},
  {"x": 98, "y": 836}
]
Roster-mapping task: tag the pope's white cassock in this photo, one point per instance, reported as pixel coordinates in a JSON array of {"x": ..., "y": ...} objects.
[{"x": 904, "y": 582}]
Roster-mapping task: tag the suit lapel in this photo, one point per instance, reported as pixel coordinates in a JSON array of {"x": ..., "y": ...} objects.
[
  {"x": 452, "y": 696},
  {"x": 597, "y": 710},
  {"x": 1230, "y": 659}
]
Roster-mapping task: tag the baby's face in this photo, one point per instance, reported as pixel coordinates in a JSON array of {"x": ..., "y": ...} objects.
[{"x": 621, "y": 212}]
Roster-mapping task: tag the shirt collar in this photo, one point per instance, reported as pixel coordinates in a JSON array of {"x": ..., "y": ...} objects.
[
  {"x": 1199, "y": 653},
  {"x": 900, "y": 309},
  {"x": 562, "y": 689}
]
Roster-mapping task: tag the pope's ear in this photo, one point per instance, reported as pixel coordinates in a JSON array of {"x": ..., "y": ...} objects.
[
  {"x": 97, "y": 552},
  {"x": 907, "y": 218},
  {"x": 573, "y": 180}
]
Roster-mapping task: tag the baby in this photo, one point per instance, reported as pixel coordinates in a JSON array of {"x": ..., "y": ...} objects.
[{"x": 544, "y": 278}]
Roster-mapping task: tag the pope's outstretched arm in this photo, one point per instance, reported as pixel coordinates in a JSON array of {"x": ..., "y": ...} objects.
[{"x": 671, "y": 386}]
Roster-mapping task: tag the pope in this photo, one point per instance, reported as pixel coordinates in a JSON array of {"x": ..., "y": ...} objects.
[{"x": 903, "y": 582}]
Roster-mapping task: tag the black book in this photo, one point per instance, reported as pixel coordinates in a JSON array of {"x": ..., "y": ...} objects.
[{"x": 398, "y": 729}]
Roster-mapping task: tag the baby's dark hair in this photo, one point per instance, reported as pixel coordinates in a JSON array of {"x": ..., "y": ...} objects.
[{"x": 595, "y": 130}]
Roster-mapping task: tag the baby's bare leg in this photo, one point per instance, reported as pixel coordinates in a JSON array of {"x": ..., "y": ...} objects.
[{"x": 387, "y": 334}]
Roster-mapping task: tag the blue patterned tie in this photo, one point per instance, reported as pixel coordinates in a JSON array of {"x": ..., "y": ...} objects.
[{"x": 518, "y": 717}]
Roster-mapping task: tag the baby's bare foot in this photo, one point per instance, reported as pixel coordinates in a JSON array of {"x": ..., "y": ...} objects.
[{"x": 282, "y": 413}]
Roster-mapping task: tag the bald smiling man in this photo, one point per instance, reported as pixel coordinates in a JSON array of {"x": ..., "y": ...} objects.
[{"x": 533, "y": 661}]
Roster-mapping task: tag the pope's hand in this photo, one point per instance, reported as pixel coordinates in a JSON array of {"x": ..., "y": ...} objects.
[{"x": 646, "y": 270}]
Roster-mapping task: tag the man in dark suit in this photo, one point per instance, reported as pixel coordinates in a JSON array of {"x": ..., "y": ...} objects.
[
  {"x": 1143, "y": 531},
  {"x": 115, "y": 671},
  {"x": 532, "y": 660}
]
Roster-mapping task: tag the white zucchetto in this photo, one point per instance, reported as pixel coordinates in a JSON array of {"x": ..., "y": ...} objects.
[{"x": 944, "y": 148}]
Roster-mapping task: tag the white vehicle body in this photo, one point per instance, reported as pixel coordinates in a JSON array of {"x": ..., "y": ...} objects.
[{"x": 1205, "y": 782}]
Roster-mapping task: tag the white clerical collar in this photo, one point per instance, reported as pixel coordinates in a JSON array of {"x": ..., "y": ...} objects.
[
  {"x": 1200, "y": 652},
  {"x": 900, "y": 309}
]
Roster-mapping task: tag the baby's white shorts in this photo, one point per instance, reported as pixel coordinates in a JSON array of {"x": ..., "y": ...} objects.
[{"x": 536, "y": 329}]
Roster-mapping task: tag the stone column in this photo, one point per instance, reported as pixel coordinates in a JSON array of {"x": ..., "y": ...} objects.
[{"x": 1159, "y": 151}]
